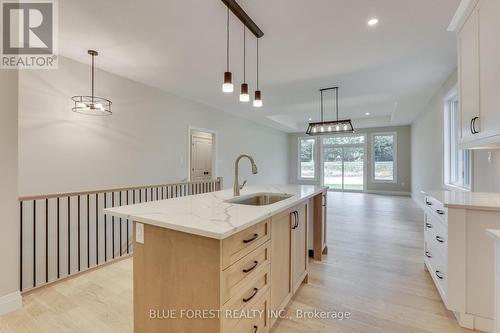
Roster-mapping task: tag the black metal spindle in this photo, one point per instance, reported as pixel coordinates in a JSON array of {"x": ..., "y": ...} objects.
[
  {"x": 21, "y": 246},
  {"x": 97, "y": 229},
  {"x": 88, "y": 230},
  {"x": 105, "y": 230},
  {"x": 121, "y": 242},
  {"x": 78, "y": 233},
  {"x": 162, "y": 194},
  {"x": 113, "y": 227},
  {"x": 46, "y": 240},
  {"x": 58, "y": 239},
  {"x": 157, "y": 197},
  {"x": 69, "y": 235},
  {"x": 34, "y": 243},
  {"x": 140, "y": 195},
  {"x": 127, "y": 229}
]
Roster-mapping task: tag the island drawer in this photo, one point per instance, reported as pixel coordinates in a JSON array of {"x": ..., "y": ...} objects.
[
  {"x": 437, "y": 209},
  {"x": 247, "y": 298},
  {"x": 257, "y": 320},
  {"x": 239, "y": 274},
  {"x": 239, "y": 245}
]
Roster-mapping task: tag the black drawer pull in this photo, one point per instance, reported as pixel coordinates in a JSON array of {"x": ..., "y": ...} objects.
[
  {"x": 247, "y": 270},
  {"x": 440, "y": 277},
  {"x": 440, "y": 212},
  {"x": 254, "y": 237},
  {"x": 428, "y": 254},
  {"x": 297, "y": 219},
  {"x": 255, "y": 291},
  {"x": 428, "y": 203},
  {"x": 440, "y": 239},
  {"x": 255, "y": 328},
  {"x": 428, "y": 226}
]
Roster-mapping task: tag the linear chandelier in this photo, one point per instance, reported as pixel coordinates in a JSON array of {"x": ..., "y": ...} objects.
[
  {"x": 92, "y": 105},
  {"x": 227, "y": 85},
  {"x": 330, "y": 127}
]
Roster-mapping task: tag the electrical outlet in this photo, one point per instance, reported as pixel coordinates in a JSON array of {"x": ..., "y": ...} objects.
[{"x": 139, "y": 233}]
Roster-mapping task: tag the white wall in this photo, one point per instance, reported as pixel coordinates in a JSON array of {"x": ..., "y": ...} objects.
[
  {"x": 143, "y": 142},
  {"x": 9, "y": 219},
  {"x": 427, "y": 143},
  {"x": 403, "y": 184}
]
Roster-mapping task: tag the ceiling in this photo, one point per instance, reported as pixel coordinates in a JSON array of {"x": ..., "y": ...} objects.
[{"x": 390, "y": 70}]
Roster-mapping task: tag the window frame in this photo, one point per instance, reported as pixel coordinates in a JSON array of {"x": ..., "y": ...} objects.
[
  {"x": 315, "y": 158},
  {"x": 451, "y": 97},
  {"x": 395, "y": 154}
]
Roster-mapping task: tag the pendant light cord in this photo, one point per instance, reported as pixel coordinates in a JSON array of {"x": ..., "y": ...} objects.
[
  {"x": 321, "y": 92},
  {"x": 92, "y": 79},
  {"x": 227, "y": 42},
  {"x": 337, "y": 101},
  {"x": 244, "y": 53},
  {"x": 257, "y": 64}
]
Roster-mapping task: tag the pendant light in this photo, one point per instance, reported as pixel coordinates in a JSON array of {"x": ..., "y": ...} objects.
[
  {"x": 227, "y": 86},
  {"x": 92, "y": 105},
  {"x": 244, "y": 96},
  {"x": 330, "y": 127},
  {"x": 257, "y": 101}
]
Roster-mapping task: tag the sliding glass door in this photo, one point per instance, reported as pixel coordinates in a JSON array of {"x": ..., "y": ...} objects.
[{"x": 343, "y": 160}]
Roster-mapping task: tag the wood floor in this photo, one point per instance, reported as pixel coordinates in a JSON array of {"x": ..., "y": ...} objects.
[{"x": 374, "y": 270}]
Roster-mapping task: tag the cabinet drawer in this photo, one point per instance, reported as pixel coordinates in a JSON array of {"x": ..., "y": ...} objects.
[
  {"x": 237, "y": 276},
  {"x": 239, "y": 245},
  {"x": 247, "y": 298},
  {"x": 438, "y": 269},
  {"x": 436, "y": 208},
  {"x": 257, "y": 321}
]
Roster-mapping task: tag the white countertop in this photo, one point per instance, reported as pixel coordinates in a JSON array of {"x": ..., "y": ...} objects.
[
  {"x": 209, "y": 214},
  {"x": 468, "y": 200}
]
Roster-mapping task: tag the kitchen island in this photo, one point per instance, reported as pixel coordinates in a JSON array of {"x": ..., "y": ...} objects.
[{"x": 216, "y": 263}]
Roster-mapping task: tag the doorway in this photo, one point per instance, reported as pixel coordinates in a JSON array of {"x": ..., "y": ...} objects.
[
  {"x": 202, "y": 155},
  {"x": 344, "y": 162}
]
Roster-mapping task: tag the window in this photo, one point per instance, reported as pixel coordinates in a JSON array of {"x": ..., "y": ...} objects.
[
  {"x": 384, "y": 146},
  {"x": 306, "y": 158},
  {"x": 458, "y": 161},
  {"x": 344, "y": 140}
]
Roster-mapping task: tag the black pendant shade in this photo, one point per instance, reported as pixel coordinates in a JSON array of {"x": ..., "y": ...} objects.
[{"x": 330, "y": 126}]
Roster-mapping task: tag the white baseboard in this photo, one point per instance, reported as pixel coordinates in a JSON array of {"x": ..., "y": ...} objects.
[
  {"x": 10, "y": 302},
  {"x": 397, "y": 193}
]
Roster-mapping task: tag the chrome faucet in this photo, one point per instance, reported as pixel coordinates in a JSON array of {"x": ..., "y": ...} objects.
[{"x": 237, "y": 186}]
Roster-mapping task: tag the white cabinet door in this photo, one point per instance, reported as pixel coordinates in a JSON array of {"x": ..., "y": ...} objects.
[
  {"x": 489, "y": 60},
  {"x": 468, "y": 71}
]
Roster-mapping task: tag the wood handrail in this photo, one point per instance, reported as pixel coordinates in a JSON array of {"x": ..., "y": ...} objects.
[{"x": 122, "y": 189}]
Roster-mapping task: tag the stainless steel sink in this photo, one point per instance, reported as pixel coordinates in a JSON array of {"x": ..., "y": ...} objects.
[{"x": 260, "y": 199}]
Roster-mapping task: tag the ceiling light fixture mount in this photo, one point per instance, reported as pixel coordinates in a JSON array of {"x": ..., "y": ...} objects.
[
  {"x": 330, "y": 127},
  {"x": 244, "y": 96},
  {"x": 92, "y": 105}
]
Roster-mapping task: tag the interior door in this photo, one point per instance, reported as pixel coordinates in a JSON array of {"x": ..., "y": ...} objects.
[{"x": 201, "y": 158}]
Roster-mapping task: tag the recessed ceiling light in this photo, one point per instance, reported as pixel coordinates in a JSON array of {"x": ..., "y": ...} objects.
[
  {"x": 310, "y": 119},
  {"x": 372, "y": 22},
  {"x": 367, "y": 114}
]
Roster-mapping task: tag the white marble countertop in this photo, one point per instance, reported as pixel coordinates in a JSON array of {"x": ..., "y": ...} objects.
[
  {"x": 468, "y": 200},
  {"x": 209, "y": 214}
]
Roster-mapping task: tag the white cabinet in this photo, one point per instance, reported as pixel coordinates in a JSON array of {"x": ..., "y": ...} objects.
[
  {"x": 489, "y": 60},
  {"x": 468, "y": 73},
  {"x": 459, "y": 257},
  {"x": 479, "y": 74}
]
